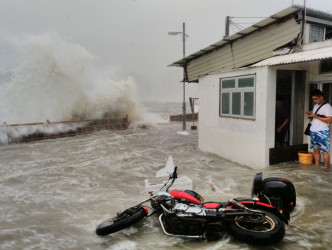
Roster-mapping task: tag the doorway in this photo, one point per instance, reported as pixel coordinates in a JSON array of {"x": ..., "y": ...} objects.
[{"x": 290, "y": 87}]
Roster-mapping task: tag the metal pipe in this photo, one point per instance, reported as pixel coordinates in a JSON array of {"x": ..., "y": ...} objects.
[
  {"x": 227, "y": 23},
  {"x": 184, "y": 116},
  {"x": 177, "y": 235}
]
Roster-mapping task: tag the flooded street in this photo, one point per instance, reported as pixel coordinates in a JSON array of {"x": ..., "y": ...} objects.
[{"x": 54, "y": 193}]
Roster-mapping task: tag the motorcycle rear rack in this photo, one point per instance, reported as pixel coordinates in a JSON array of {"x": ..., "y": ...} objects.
[{"x": 177, "y": 235}]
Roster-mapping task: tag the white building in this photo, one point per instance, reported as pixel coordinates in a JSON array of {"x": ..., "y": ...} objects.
[{"x": 288, "y": 54}]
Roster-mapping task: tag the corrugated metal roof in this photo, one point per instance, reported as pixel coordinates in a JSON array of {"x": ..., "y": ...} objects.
[
  {"x": 244, "y": 52},
  {"x": 303, "y": 56},
  {"x": 258, "y": 26}
]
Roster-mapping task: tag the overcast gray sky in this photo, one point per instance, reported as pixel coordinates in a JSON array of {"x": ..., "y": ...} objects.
[{"x": 132, "y": 35}]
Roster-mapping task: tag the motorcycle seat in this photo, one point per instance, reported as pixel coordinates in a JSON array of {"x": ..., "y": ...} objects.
[{"x": 214, "y": 205}]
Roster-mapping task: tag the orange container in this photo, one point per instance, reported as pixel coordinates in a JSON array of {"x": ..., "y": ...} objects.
[{"x": 305, "y": 157}]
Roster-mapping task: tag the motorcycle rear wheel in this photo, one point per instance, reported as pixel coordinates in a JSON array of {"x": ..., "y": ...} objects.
[
  {"x": 123, "y": 220},
  {"x": 270, "y": 231}
]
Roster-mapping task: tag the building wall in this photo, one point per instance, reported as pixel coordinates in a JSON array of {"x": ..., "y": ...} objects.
[{"x": 240, "y": 140}]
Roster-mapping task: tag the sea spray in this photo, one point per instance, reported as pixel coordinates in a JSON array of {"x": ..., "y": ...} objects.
[{"x": 58, "y": 80}]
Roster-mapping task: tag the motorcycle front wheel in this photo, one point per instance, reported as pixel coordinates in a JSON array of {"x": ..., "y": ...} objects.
[
  {"x": 123, "y": 220},
  {"x": 252, "y": 230}
]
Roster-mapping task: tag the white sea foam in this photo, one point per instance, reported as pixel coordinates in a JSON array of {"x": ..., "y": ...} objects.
[
  {"x": 183, "y": 133},
  {"x": 57, "y": 81}
]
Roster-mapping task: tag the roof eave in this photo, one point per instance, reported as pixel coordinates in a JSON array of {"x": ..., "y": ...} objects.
[{"x": 284, "y": 14}]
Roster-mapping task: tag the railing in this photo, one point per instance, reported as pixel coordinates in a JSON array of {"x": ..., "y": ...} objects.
[
  {"x": 78, "y": 127},
  {"x": 189, "y": 117}
]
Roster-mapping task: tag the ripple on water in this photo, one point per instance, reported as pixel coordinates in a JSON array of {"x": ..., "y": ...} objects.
[{"x": 55, "y": 192}]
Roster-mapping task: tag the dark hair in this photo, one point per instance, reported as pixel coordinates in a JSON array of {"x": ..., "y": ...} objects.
[
  {"x": 316, "y": 92},
  {"x": 279, "y": 98}
]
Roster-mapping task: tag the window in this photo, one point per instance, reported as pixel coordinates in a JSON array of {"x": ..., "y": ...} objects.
[
  {"x": 237, "y": 96},
  {"x": 326, "y": 66},
  {"x": 328, "y": 33},
  {"x": 317, "y": 33}
]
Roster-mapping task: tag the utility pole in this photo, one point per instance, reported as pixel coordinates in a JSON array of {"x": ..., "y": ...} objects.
[
  {"x": 184, "y": 116},
  {"x": 184, "y": 36}
]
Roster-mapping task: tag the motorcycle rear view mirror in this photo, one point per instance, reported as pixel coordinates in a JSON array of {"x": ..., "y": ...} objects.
[{"x": 175, "y": 175}]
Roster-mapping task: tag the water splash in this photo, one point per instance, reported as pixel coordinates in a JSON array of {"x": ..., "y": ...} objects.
[{"x": 58, "y": 80}]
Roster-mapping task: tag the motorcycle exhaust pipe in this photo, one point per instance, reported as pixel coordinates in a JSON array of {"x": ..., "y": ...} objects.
[
  {"x": 177, "y": 235},
  {"x": 238, "y": 204}
]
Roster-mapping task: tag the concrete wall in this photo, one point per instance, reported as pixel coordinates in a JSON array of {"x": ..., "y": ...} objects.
[{"x": 240, "y": 140}]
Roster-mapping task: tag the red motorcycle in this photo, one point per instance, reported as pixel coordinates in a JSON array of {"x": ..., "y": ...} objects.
[{"x": 258, "y": 220}]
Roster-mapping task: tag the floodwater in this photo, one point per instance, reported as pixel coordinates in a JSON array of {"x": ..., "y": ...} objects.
[{"x": 54, "y": 193}]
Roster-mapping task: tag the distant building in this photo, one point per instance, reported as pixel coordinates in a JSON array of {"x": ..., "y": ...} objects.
[{"x": 287, "y": 54}]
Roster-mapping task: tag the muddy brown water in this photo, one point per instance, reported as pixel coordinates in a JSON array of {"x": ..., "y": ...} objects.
[{"x": 54, "y": 193}]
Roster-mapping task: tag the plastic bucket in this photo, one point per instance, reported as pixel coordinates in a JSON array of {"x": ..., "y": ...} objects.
[{"x": 305, "y": 157}]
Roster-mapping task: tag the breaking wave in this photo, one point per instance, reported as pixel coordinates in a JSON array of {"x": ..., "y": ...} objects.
[{"x": 57, "y": 81}]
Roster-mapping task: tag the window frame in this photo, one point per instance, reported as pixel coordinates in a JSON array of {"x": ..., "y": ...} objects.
[
  {"x": 242, "y": 91},
  {"x": 311, "y": 30}
]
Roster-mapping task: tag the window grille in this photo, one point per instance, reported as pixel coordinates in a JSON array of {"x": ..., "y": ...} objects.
[{"x": 317, "y": 33}]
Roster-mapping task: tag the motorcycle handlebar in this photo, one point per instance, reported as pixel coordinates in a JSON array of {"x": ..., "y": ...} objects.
[{"x": 175, "y": 175}]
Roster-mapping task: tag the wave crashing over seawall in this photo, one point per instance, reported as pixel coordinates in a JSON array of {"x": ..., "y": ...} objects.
[{"x": 58, "y": 81}]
